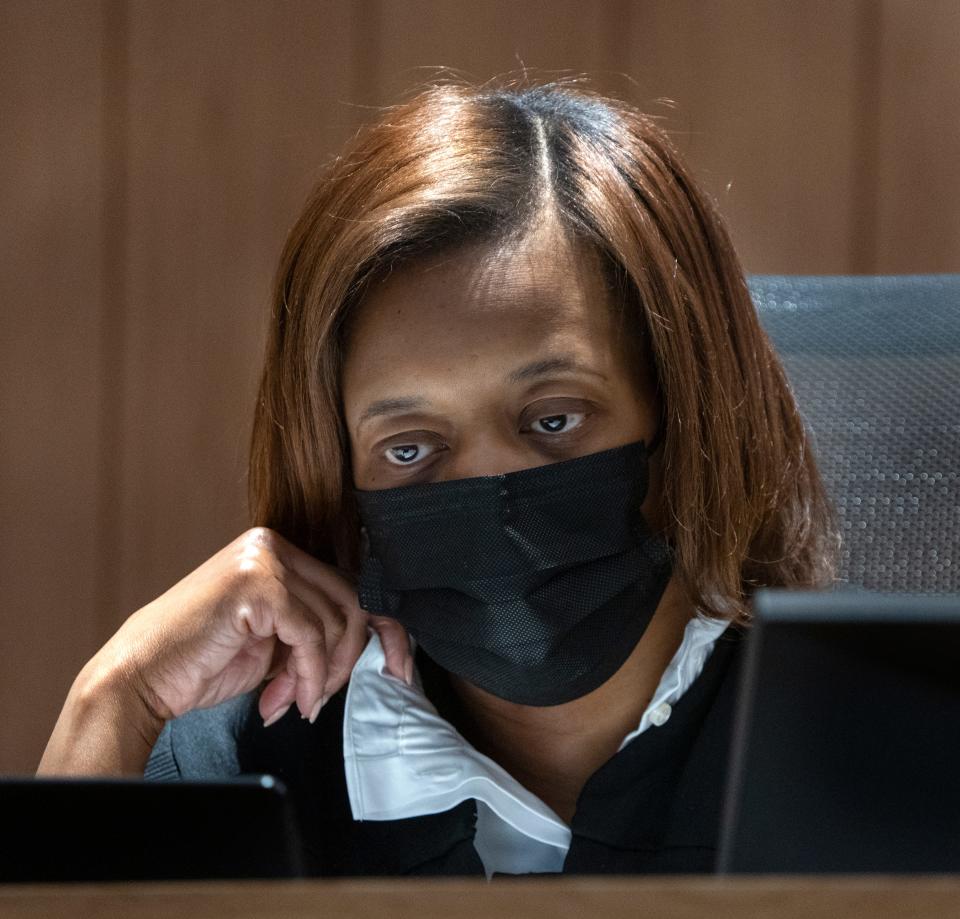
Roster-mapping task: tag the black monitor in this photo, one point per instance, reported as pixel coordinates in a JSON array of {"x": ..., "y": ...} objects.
[
  {"x": 846, "y": 749},
  {"x": 92, "y": 829}
]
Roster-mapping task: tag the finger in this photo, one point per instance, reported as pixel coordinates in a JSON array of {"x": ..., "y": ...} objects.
[
  {"x": 308, "y": 659},
  {"x": 333, "y": 596},
  {"x": 344, "y": 656},
  {"x": 278, "y": 694},
  {"x": 396, "y": 646},
  {"x": 283, "y": 613},
  {"x": 326, "y": 607},
  {"x": 345, "y": 630},
  {"x": 278, "y": 662},
  {"x": 334, "y": 617},
  {"x": 326, "y": 577}
]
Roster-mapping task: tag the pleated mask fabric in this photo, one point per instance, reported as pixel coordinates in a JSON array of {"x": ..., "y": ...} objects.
[{"x": 534, "y": 585}]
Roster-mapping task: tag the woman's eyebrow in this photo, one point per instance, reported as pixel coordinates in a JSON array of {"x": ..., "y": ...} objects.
[
  {"x": 561, "y": 364},
  {"x": 564, "y": 363},
  {"x": 391, "y": 407}
]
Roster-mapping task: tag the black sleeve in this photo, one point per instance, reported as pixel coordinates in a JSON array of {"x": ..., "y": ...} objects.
[
  {"x": 201, "y": 745},
  {"x": 162, "y": 764}
]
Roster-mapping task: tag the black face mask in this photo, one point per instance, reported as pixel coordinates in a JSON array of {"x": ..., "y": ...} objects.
[{"x": 534, "y": 585}]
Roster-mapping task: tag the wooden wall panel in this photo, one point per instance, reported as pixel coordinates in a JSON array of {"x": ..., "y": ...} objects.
[
  {"x": 231, "y": 109},
  {"x": 918, "y": 143},
  {"x": 153, "y": 155},
  {"x": 483, "y": 40},
  {"x": 761, "y": 96},
  {"x": 51, "y": 179},
  {"x": 765, "y": 97}
]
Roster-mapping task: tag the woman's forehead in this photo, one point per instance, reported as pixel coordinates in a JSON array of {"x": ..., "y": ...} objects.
[
  {"x": 544, "y": 279},
  {"x": 468, "y": 322}
]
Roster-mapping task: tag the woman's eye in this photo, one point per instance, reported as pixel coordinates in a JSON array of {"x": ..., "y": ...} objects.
[
  {"x": 405, "y": 454},
  {"x": 558, "y": 424},
  {"x": 411, "y": 453}
]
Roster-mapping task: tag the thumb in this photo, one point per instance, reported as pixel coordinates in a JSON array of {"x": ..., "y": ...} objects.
[{"x": 396, "y": 646}]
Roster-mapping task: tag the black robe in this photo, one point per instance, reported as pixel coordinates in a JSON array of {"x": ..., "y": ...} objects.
[{"x": 652, "y": 808}]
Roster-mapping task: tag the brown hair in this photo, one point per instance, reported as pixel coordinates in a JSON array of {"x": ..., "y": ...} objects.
[{"x": 745, "y": 506}]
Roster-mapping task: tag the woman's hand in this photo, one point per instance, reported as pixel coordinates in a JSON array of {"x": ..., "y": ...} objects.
[{"x": 259, "y": 609}]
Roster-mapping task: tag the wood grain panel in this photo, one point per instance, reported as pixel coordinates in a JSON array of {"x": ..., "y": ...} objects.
[
  {"x": 918, "y": 143},
  {"x": 153, "y": 155},
  {"x": 483, "y": 40},
  {"x": 50, "y": 349},
  {"x": 676, "y": 897},
  {"x": 765, "y": 98},
  {"x": 232, "y": 107}
]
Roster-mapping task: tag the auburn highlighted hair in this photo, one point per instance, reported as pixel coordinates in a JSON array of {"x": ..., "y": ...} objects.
[{"x": 745, "y": 506}]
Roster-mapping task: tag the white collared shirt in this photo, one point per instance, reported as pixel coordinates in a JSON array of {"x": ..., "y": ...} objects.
[{"x": 402, "y": 759}]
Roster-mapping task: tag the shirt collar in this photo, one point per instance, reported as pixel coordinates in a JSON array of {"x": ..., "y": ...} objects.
[{"x": 402, "y": 759}]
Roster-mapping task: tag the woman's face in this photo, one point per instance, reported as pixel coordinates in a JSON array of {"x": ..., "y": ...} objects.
[{"x": 488, "y": 361}]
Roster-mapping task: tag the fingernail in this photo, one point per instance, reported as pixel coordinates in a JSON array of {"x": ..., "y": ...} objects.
[
  {"x": 408, "y": 671},
  {"x": 277, "y": 715},
  {"x": 317, "y": 707}
]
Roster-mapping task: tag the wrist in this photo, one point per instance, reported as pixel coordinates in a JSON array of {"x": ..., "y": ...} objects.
[
  {"x": 105, "y": 728},
  {"x": 115, "y": 672}
]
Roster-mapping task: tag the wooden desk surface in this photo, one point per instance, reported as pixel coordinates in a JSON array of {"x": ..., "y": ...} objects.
[{"x": 876, "y": 897}]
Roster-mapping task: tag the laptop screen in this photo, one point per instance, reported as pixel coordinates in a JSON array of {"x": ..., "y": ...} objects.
[
  {"x": 94, "y": 829},
  {"x": 846, "y": 749}
]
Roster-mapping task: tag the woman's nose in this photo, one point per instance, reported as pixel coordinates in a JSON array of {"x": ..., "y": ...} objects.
[{"x": 488, "y": 458}]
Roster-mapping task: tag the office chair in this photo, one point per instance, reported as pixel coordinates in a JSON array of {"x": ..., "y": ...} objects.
[{"x": 874, "y": 363}]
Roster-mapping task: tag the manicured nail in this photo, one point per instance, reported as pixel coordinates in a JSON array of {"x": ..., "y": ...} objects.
[
  {"x": 408, "y": 671},
  {"x": 317, "y": 707},
  {"x": 277, "y": 715}
]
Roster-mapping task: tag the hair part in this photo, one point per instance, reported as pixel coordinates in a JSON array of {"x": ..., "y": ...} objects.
[{"x": 456, "y": 165}]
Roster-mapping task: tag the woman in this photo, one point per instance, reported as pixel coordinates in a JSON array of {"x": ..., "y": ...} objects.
[{"x": 518, "y": 408}]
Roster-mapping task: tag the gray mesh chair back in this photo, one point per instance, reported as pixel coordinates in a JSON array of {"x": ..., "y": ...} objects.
[{"x": 874, "y": 363}]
